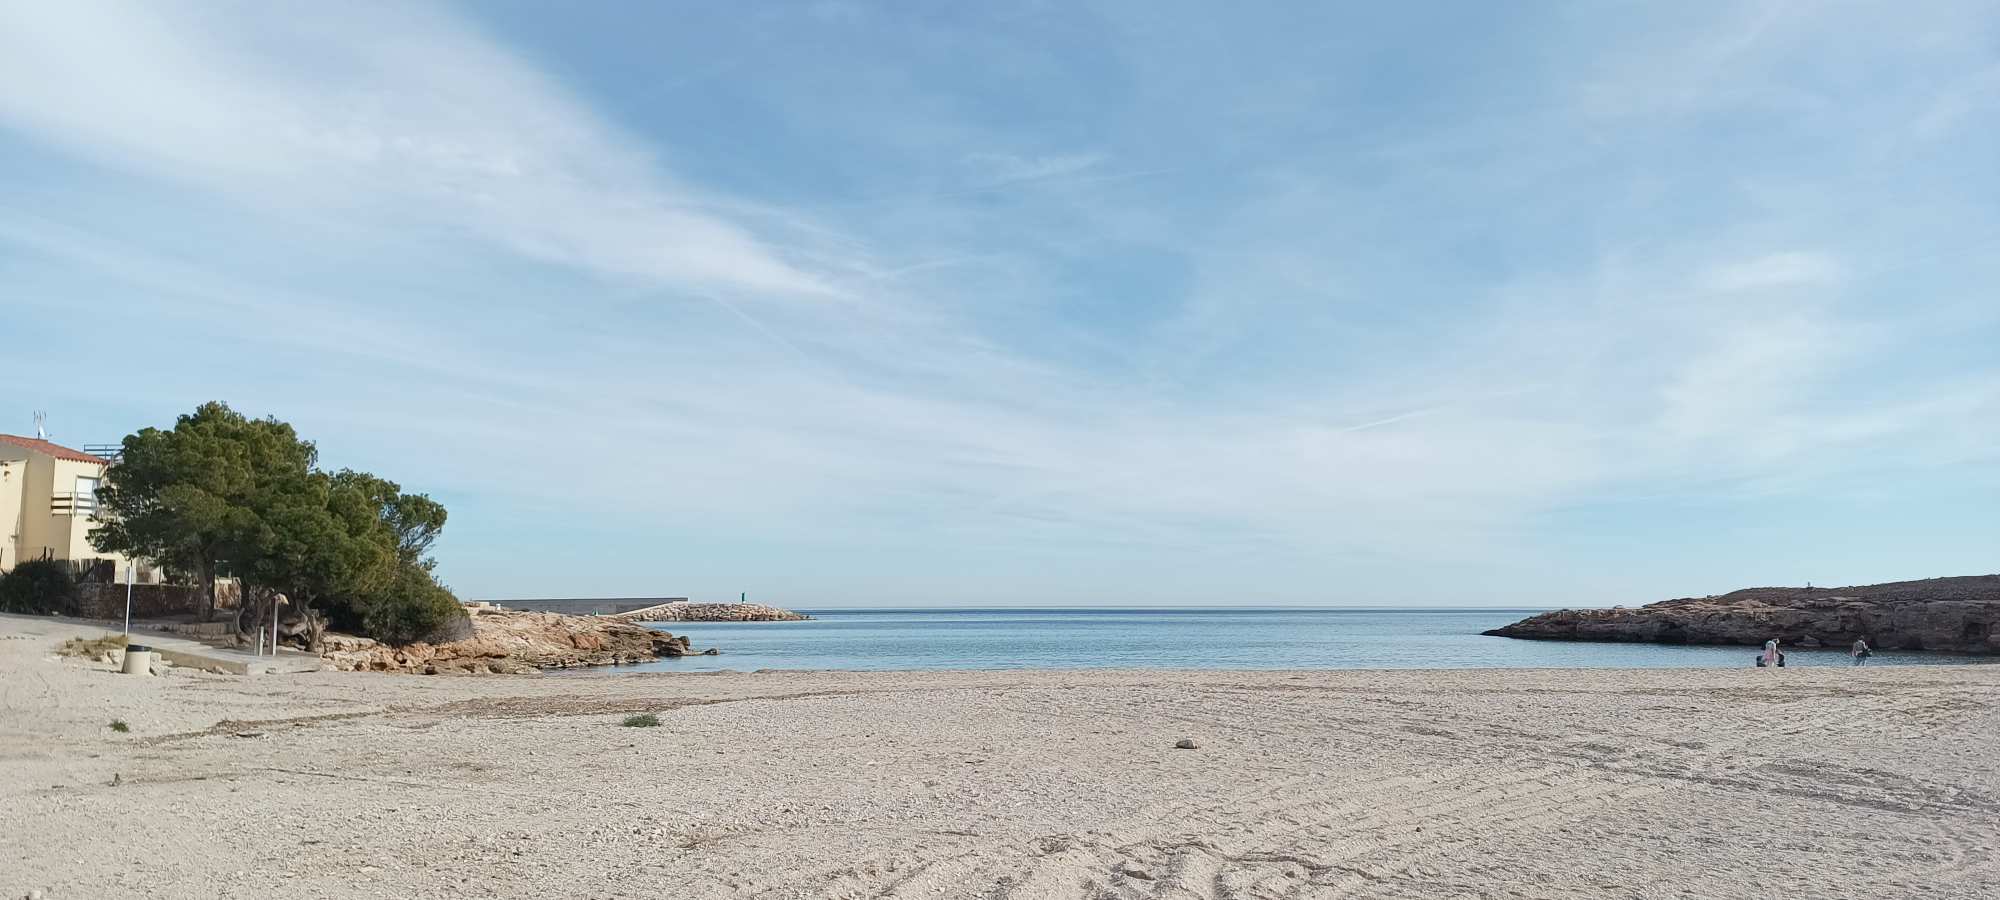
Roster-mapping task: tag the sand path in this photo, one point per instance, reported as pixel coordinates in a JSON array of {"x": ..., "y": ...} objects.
[{"x": 1799, "y": 783}]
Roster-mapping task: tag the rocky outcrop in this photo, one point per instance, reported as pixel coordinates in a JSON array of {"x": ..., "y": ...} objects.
[
  {"x": 509, "y": 642},
  {"x": 1954, "y": 614},
  {"x": 681, "y": 611}
]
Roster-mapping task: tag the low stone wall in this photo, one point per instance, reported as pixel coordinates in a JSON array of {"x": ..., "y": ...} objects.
[{"x": 149, "y": 601}]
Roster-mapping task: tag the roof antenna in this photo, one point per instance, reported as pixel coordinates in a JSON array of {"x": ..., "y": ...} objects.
[{"x": 41, "y": 425}]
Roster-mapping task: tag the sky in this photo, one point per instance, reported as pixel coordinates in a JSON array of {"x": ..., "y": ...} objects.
[{"x": 1080, "y": 303}]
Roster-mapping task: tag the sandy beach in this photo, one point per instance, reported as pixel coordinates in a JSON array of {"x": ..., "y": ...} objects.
[{"x": 1803, "y": 783}]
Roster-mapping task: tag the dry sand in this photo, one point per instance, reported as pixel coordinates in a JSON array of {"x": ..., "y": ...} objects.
[{"x": 1801, "y": 783}]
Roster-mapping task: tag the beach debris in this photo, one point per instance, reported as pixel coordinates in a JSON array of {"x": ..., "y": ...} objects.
[
  {"x": 1186, "y": 744},
  {"x": 116, "y": 779},
  {"x": 1134, "y": 870},
  {"x": 249, "y": 734}
]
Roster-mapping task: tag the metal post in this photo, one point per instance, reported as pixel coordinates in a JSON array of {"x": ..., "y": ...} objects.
[
  {"x": 274, "y": 625},
  {"x": 128, "y": 598}
]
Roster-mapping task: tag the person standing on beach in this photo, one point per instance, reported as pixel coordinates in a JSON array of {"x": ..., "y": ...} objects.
[
  {"x": 1860, "y": 650},
  {"x": 1771, "y": 655}
]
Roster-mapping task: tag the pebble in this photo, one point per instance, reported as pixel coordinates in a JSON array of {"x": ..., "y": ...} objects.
[{"x": 1185, "y": 744}]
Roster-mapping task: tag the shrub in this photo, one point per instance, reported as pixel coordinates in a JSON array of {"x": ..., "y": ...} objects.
[
  {"x": 642, "y": 720},
  {"x": 414, "y": 607},
  {"x": 38, "y": 586},
  {"x": 119, "y": 726}
]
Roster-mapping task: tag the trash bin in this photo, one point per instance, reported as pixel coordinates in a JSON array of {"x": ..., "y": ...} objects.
[{"x": 138, "y": 660}]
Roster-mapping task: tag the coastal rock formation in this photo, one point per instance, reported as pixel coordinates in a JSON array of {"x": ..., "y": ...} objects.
[
  {"x": 510, "y": 642},
  {"x": 681, "y": 611},
  {"x": 1954, "y": 614}
]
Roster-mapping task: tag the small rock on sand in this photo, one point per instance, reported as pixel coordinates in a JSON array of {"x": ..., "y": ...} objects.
[{"x": 1185, "y": 744}]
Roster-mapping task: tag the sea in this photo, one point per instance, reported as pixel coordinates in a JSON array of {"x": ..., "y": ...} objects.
[{"x": 1185, "y": 638}]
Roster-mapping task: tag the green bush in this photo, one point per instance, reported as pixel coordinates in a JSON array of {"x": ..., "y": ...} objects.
[
  {"x": 38, "y": 586},
  {"x": 642, "y": 720},
  {"x": 414, "y": 607}
]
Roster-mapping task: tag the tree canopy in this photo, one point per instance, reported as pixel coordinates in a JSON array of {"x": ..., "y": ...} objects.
[{"x": 221, "y": 486}]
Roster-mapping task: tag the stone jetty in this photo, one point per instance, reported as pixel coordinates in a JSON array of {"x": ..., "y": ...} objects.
[{"x": 683, "y": 611}]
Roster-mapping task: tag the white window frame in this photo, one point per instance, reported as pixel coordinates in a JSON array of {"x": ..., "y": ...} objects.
[{"x": 85, "y": 501}]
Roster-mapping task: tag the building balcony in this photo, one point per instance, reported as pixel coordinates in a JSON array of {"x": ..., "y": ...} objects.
[{"x": 72, "y": 505}]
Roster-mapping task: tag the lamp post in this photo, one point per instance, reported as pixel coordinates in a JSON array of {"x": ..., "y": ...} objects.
[{"x": 128, "y": 598}]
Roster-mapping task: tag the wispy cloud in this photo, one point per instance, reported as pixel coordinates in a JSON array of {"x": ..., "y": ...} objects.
[
  {"x": 300, "y": 109},
  {"x": 1789, "y": 269},
  {"x": 995, "y": 169}
]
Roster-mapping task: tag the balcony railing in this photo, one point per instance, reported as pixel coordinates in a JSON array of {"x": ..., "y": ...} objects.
[
  {"x": 73, "y": 505},
  {"x": 107, "y": 451}
]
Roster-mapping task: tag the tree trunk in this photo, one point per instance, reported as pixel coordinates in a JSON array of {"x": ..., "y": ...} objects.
[
  {"x": 315, "y": 631},
  {"x": 314, "y": 624},
  {"x": 250, "y": 604},
  {"x": 205, "y": 578}
]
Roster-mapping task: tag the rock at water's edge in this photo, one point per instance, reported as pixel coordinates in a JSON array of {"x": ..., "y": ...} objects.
[
  {"x": 1952, "y": 614},
  {"x": 509, "y": 642}
]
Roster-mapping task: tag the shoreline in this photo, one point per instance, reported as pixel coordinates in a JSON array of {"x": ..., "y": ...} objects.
[
  {"x": 1032, "y": 785},
  {"x": 1962, "y": 660}
]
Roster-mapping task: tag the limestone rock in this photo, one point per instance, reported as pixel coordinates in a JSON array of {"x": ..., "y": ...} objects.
[
  {"x": 1952, "y": 614},
  {"x": 507, "y": 642}
]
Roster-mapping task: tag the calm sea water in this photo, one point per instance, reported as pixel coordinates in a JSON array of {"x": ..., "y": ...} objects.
[{"x": 1181, "y": 638}]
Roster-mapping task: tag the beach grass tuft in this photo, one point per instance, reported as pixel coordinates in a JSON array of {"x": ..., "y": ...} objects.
[
  {"x": 642, "y": 720},
  {"x": 89, "y": 647},
  {"x": 119, "y": 726}
]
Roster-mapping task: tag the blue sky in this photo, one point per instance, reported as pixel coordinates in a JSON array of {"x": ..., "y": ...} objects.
[{"x": 1051, "y": 303}]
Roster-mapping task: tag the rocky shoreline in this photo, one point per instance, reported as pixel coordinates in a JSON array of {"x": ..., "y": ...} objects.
[
  {"x": 682, "y": 611},
  {"x": 508, "y": 642},
  {"x": 1959, "y": 615}
]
